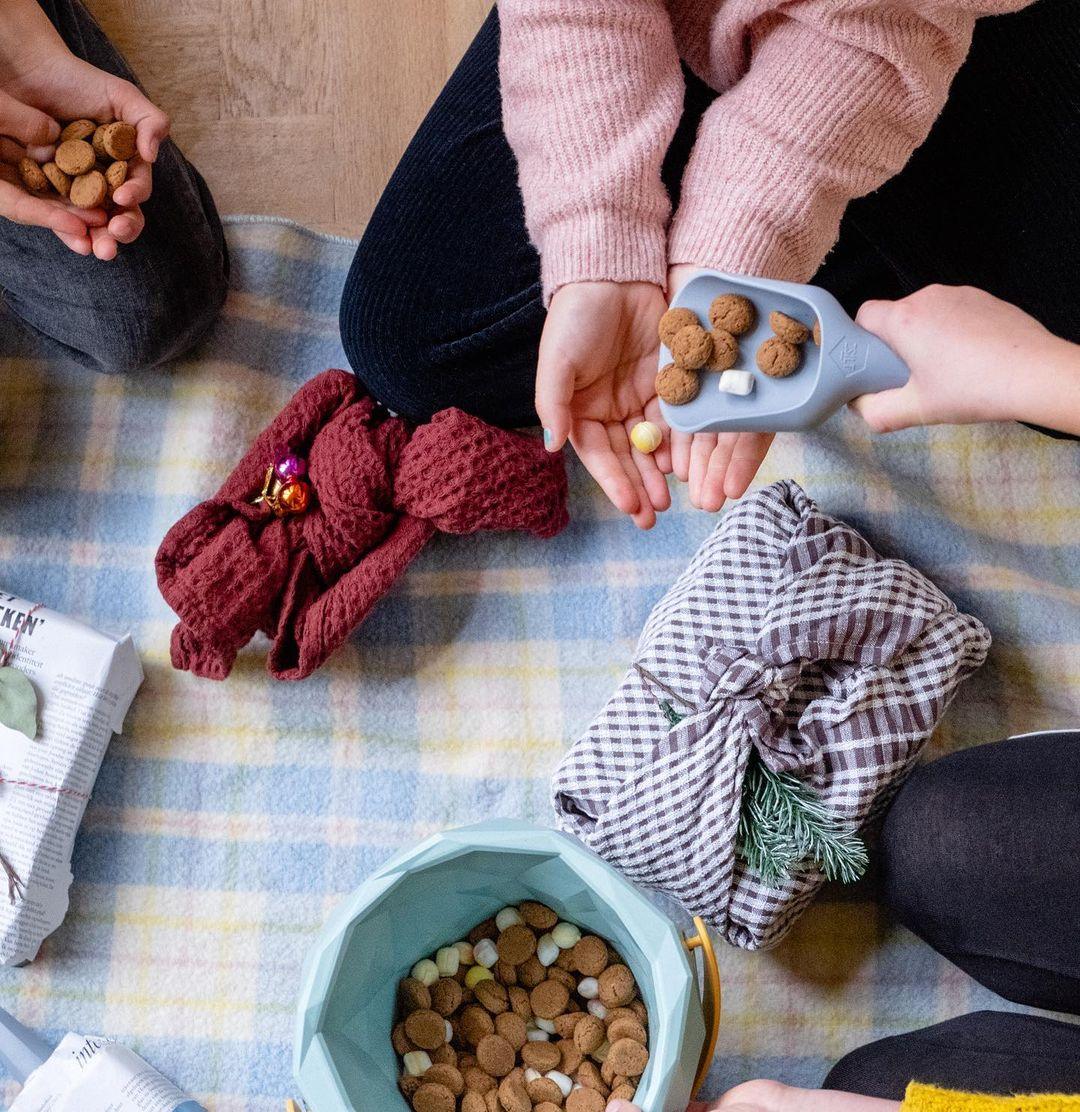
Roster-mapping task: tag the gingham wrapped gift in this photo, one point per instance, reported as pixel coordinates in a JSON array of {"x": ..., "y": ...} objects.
[{"x": 780, "y": 692}]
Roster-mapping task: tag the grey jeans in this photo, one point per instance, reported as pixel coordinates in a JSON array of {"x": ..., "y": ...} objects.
[{"x": 160, "y": 293}]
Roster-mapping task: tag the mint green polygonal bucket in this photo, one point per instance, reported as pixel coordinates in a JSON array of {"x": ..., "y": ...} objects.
[{"x": 430, "y": 896}]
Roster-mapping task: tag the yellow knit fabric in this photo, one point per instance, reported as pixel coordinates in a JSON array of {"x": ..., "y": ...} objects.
[{"x": 927, "y": 1098}]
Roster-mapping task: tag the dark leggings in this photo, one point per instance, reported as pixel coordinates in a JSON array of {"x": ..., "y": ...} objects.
[
  {"x": 980, "y": 857},
  {"x": 443, "y": 303}
]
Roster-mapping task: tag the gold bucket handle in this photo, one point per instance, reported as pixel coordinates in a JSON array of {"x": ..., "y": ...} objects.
[{"x": 711, "y": 998}]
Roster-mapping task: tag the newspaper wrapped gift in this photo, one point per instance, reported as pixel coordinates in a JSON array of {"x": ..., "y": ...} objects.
[
  {"x": 790, "y": 667},
  {"x": 85, "y": 682}
]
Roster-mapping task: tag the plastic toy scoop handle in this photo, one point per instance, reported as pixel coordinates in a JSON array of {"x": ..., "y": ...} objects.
[{"x": 867, "y": 363}]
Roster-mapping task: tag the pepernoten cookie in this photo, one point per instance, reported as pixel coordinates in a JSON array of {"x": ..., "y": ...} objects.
[
  {"x": 78, "y": 129},
  {"x": 88, "y": 190},
  {"x": 788, "y": 328},
  {"x": 725, "y": 351},
  {"x": 116, "y": 175},
  {"x": 74, "y": 157},
  {"x": 777, "y": 358},
  {"x": 691, "y": 347},
  {"x": 677, "y": 386},
  {"x": 32, "y": 176},
  {"x": 733, "y": 313},
  {"x": 118, "y": 140},
  {"x": 60, "y": 181},
  {"x": 526, "y": 1015},
  {"x": 672, "y": 321}
]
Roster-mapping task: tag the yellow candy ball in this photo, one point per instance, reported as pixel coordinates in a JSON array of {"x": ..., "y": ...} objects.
[
  {"x": 646, "y": 437},
  {"x": 476, "y": 974}
]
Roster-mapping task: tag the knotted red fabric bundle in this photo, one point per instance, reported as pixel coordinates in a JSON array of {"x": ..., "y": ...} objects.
[{"x": 382, "y": 489}]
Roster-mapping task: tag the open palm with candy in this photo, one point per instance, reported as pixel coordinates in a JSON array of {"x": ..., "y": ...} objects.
[
  {"x": 42, "y": 82},
  {"x": 595, "y": 381}
]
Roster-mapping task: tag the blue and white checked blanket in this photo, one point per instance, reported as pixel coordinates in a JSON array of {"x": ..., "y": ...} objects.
[{"x": 229, "y": 819}]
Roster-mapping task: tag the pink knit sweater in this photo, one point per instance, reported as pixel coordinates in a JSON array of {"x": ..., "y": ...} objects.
[{"x": 821, "y": 101}]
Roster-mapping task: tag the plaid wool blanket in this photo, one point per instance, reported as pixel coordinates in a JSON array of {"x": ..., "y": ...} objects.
[{"x": 229, "y": 819}]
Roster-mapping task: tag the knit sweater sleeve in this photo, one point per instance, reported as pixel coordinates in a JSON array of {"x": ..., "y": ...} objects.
[
  {"x": 929, "y": 1098},
  {"x": 835, "y": 98},
  {"x": 592, "y": 93}
]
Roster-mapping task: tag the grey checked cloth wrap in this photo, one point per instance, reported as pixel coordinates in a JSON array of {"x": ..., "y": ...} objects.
[{"x": 787, "y": 634}]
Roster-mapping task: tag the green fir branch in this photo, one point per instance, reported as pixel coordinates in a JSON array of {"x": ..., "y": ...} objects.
[{"x": 784, "y": 828}]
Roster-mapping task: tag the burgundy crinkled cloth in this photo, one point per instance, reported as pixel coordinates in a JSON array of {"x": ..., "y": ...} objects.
[{"x": 382, "y": 489}]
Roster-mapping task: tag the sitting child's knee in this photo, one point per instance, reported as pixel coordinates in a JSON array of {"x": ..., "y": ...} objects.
[
  {"x": 389, "y": 356},
  {"x": 163, "y": 328}
]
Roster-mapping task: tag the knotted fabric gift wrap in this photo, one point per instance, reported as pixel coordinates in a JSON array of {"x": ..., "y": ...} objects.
[
  {"x": 382, "y": 489},
  {"x": 787, "y": 641}
]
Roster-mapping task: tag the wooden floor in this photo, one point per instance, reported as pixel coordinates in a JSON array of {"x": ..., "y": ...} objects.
[{"x": 298, "y": 108}]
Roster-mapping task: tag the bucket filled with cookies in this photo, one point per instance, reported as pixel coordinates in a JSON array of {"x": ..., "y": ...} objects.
[{"x": 504, "y": 967}]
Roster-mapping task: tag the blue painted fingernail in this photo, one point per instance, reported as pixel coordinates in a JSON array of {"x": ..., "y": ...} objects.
[{"x": 547, "y": 438}]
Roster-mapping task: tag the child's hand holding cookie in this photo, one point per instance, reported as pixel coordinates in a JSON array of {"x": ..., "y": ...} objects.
[{"x": 42, "y": 82}]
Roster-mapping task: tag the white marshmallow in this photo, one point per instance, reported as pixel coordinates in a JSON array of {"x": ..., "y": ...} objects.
[
  {"x": 532, "y": 1075},
  {"x": 449, "y": 1031},
  {"x": 547, "y": 950},
  {"x": 565, "y": 935},
  {"x": 589, "y": 988},
  {"x": 534, "y": 1034},
  {"x": 508, "y": 917},
  {"x": 545, "y": 1025},
  {"x": 447, "y": 961},
  {"x": 566, "y": 1086},
  {"x": 416, "y": 1063},
  {"x": 485, "y": 954},
  {"x": 736, "y": 382},
  {"x": 597, "y": 1009},
  {"x": 426, "y": 972}
]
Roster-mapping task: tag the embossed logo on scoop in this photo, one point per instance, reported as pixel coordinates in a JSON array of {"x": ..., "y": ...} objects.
[{"x": 850, "y": 354}]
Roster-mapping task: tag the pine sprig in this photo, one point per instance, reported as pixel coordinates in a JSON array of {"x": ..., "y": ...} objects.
[{"x": 784, "y": 827}]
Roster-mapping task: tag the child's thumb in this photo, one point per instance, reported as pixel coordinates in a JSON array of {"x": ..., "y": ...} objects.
[
  {"x": 554, "y": 392},
  {"x": 27, "y": 125},
  {"x": 888, "y": 411}
]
